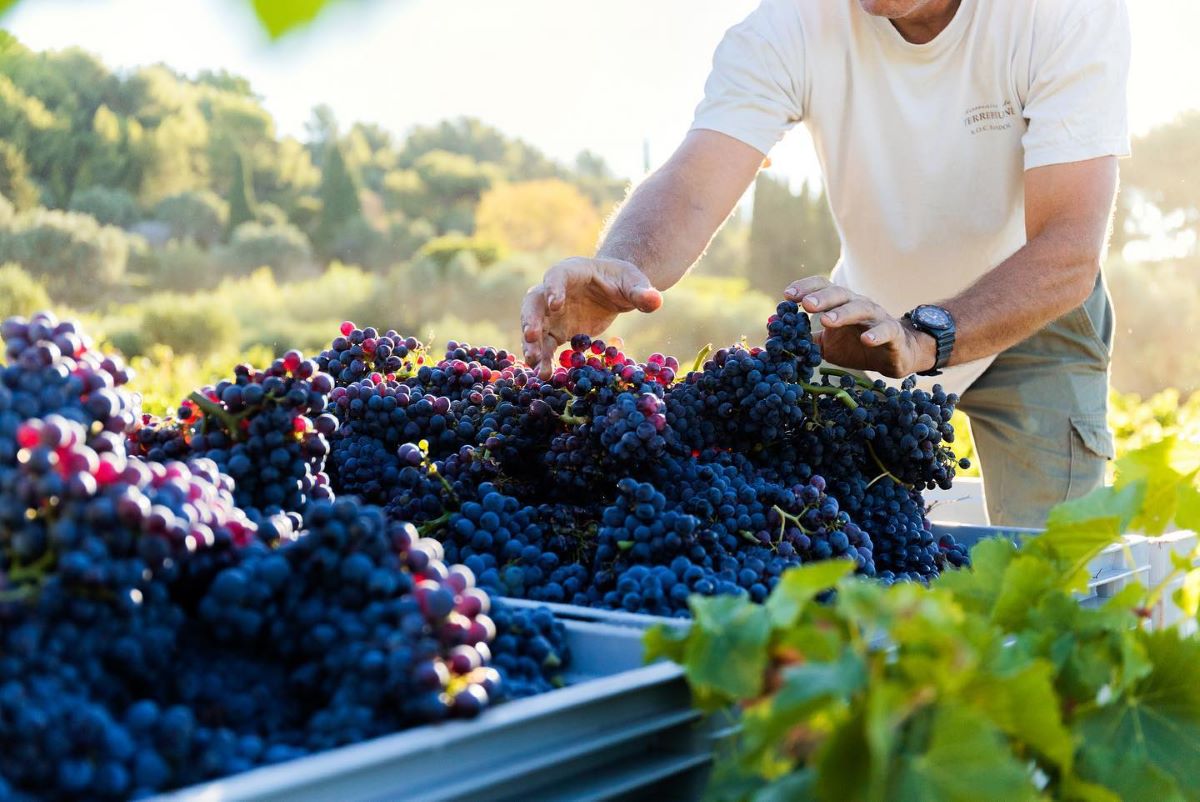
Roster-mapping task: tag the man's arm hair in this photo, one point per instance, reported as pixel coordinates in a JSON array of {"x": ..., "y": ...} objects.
[
  {"x": 667, "y": 222},
  {"x": 1068, "y": 208}
]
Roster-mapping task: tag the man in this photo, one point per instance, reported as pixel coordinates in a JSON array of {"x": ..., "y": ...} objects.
[{"x": 969, "y": 154}]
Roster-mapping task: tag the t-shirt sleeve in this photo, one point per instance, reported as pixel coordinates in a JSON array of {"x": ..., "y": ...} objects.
[
  {"x": 756, "y": 88},
  {"x": 1077, "y": 104}
]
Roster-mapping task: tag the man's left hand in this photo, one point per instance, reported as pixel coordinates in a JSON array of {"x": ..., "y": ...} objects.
[{"x": 858, "y": 333}]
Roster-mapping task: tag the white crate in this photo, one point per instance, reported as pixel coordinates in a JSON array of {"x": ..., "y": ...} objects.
[
  {"x": 1165, "y": 612},
  {"x": 962, "y": 504}
]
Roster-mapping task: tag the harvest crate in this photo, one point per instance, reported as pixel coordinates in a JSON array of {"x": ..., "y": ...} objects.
[
  {"x": 619, "y": 730},
  {"x": 1166, "y": 612}
]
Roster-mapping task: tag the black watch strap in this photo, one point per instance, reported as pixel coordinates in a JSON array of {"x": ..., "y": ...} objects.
[{"x": 944, "y": 337}]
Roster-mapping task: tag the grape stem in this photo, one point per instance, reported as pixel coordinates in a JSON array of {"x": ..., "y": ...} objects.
[
  {"x": 859, "y": 380},
  {"x": 212, "y": 409},
  {"x": 431, "y": 526},
  {"x": 882, "y": 467},
  {"x": 788, "y": 517},
  {"x": 36, "y": 570},
  {"x": 701, "y": 357},
  {"x": 836, "y": 392}
]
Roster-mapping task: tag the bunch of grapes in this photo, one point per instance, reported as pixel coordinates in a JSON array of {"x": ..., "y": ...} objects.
[{"x": 267, "y": 429}]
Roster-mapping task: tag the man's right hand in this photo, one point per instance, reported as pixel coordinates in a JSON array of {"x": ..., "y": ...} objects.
[{"x": 580, "y": 296}]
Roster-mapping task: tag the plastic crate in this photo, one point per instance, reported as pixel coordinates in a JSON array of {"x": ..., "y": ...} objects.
[
  {"x": 1166, "y": 612},
  {"x": 1115, "y": 568},
  {"x": 619, "y": 730}
]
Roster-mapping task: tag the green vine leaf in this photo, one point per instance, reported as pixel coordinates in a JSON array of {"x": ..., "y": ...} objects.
[
  {"x": 279, "y": 17},
  {"x": 799, "y": 586},
  {"x": 726, "y": 653},
  {"x": 966, "y": 761},
  {"x": 1153, "y": 730}
]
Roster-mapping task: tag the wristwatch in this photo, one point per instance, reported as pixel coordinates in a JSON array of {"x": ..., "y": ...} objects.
[{"x": 938, "y": 324}]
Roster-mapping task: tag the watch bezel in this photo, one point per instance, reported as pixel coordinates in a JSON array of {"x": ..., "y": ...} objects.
[{"x": 943, "y": 323}]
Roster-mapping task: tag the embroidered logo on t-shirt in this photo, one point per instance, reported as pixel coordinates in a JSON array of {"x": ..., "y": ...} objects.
[{"x": 989, "y": 117}]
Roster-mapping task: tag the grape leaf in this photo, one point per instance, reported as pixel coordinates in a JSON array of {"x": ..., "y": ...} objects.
[
  {"x": 726, "y": 651},
  {"x": 1187, "y": 514},
  {"x": 1161, "y": 468},
  {"x": 966, "y": 760},
  {"x": 1154, "y": 727},
  {"x": 1103, "y": 502},
  {"x": 5, "y": 5},
  {"x": 281, "y": 16},
  {"x": 664, "y": 642},
  {"x": 1071, "y": 546},
  {"x": 979, "y": 586},
  {"x": 794, "y": 787},
  {"x": 799, "y": 586},
  {"x": 1026, "y": 707}
]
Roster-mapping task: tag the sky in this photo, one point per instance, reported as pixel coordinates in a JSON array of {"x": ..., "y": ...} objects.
[{"x": 615, "y": 77}]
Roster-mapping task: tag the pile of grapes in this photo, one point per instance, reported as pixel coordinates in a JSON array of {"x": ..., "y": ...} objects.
[
  {"x": 185, "y": 601},
  {"x": 301, "y": 556}
]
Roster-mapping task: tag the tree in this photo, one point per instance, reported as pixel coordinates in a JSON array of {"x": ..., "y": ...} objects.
[
  {"x": 284, "y": 249},
  {"x": 199, "y": 216},
  {"x": 338, "y": 194},
  {"x": 791, "y": 236},
  {"x": 1164, "y": 171},
  {"x": 14, "y": 177},
  {"x": 241, "y": 194},
  {"x": 547, "y": 214},
  {"x": 20, "y": 293},
  {"x": 110, "y": 206},
  {"x": 74, "y": 256}
]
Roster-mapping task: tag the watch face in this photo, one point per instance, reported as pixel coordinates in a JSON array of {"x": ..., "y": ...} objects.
[{"x": 932, "y": 316}]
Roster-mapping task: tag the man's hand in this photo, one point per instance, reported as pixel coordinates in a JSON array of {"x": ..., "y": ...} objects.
[
  {"x": 859, "y": 333},
  {"x": 580, "y": 296}
]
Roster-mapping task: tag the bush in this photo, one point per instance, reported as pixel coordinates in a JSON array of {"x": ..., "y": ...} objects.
[
  {"x": 15, "y": 181},
  {"x": 268, "y": 214},
  {"x": 284, "y": 249},
  {"x": 441, "y": 250},
  {"x": 7, "y": 212},
  {"x": 189, "y": 324},
  {"x": 75, "y": 256},
  {"x": 20, "y": 293},
  {"x": 183, "y": 266},
  {"x": 111, "y": 207},
  {"x": 357, "y": 242},
  {"x": 199, "y": 216}
]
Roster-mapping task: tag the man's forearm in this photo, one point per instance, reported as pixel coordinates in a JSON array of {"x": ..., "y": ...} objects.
[
  {"x": 1048, "y": 277},
  {"x": 668, "y": 221},
  {"x": 1067, "y": 212}
]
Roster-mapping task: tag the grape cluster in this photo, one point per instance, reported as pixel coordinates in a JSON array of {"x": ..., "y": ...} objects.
[
  {"x": 154, "y": 635},
  {"x": 624, "y": 485},
  {"x": 265, "y": 428}
]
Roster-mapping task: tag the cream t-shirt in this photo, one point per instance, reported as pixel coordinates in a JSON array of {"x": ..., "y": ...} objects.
[{"x": 923, "y": 147}]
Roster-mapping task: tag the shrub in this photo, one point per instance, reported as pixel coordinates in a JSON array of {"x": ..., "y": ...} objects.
[
  {"x": 182, "y": 266},
  {"x": 74, "y": 256},
  {"x": 7, "y": 212},
  {"x": 357, "y": 242},
  {"x": 199, "y": 216},
  {"x": 284, "y": 249},
  {"x": 189, "y": 324},
  {"x": 20, "y": 293},
  {"x": 268, "y": 214},
  {"x": 442, "y": 250},
  {"x": 111, "y": 207}
]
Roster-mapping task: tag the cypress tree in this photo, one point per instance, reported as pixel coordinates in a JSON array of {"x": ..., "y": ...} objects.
[
  {"x": 338, "y": 193},
  {"x": 241, "y": 194}
]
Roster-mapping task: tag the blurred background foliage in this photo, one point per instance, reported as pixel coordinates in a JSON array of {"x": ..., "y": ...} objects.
[{"x": 167, "y": 211}]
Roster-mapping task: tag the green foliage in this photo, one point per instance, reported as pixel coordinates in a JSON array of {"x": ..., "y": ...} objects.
[
  {"x": 443, "y": 250},
  {"x": 791, "y": 236},
  {"x": 284, "y": 249},
  {"x": 993, "y": 683},
  {"x": 76, "y": 257},
  {"x": 188, "y": 326},
  {"x": 241, "y": 195},
  {"x": 268, "y": 214},
  {"x": 15, "y": 183},
  {"x": 181, "y": 266},
  {"x": 338, "y": 194},
  {"x": 199, "y": 216},
  {"x": 20, "y": 293},
  {"x": 110, "y": 207}
]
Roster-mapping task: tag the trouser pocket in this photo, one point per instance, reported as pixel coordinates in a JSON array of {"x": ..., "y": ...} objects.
[{"x": 1091, "y": 449}]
